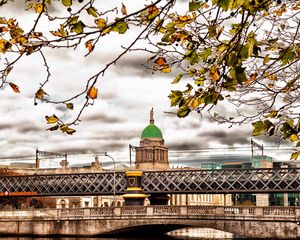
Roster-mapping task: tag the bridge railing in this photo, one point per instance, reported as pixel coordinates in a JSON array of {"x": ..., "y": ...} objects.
[{"x": 176, "y": 212}]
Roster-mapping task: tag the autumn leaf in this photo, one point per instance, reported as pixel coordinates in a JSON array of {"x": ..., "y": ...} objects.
[
  {"x": 295, "y": 155},
  {"x": 70, "y": 106},
  {"x": 54, "y": 128},
  {"x": 60, "y": 32},
  {"x": 160, "y": 61},
  {"x": 214, "y": 73},
  {"x": 93, "y": 92},
  {"x": 89, "y": 45},
  {"x": 166, "y": 69},
  {"x": 70, "y": 131},
  {"x": 14, "y": 87},
  {"x": 39, "y": 7},
  {"x": 40, "y": 94},
  {"x": 101, "y": 23},
  {"x": 52, "y": 119},
  {"x": 123, "y": 9},
  {"x": 67, "y": 129},
  {"x": 67, "y": 3}
]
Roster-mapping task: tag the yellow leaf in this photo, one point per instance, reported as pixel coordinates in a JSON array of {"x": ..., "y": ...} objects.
[
  {"x": 266, "y": 59},
  {"x": 294, "y": 138},
  {"x": 106, "y": 30},
  {"x": 4, "y": 45},
  {"x": 295, "y": 155},
  {"x": 214, "y": 73},
  {"x": 93, "y": 92},
  {"x": 14, "y": 87},
  {"x": 40, "y": 94},
  {"x": 272, "y": 77},
  {"x": 160, "y": 61},
  {"x": 166, "y": 69},
  {"x": 101, "y": 23},
  {"x": 123, "y": 10},
  {"x": 39, "y": 7},
  {"x": 52, "y": 119},
  {"x": 194, "y": 103},
  {"x": 184, "y": 18},
  {"x": 89, "y": 45}
]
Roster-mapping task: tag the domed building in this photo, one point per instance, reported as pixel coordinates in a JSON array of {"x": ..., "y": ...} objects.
[{"x": 151, "y": 154}]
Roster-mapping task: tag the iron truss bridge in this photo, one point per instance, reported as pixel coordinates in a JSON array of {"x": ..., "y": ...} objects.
[{"x": 171, "y": 181}]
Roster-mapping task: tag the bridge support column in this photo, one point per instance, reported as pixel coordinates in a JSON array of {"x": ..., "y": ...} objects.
[{"x": 134, "y": 194}]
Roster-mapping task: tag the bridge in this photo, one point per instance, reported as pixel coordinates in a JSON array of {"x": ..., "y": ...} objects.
[
  {"x": 252, "y": 222},
  {"x": 170, "y": 181}
]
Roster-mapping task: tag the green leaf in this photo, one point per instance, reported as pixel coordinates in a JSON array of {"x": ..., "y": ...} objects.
[
  {"x": 183, "y": 111},
  {"x": 224, "y": 4},
  {"x": 272, "y": 114},
  {"x": 192, "y": 56},
  {"x": 232, "y": 59},
  {"x": 120, "y": 27},
  {"x": 92, "y": 11},
  {"x": 78, "y": 27},
  {"x": 261, "y": 127},
  {"x": 238, "y": 73},
  {"x": 205, "y": 54},
  {"x": 177, "y": 79},
  {"x": 286, "y": 56},
  {"x": 66, "y": 3},
  {"x": 195, "y": 5},
  {"x": 212, "y": 31},
  {"x": 175, "y": 97}
]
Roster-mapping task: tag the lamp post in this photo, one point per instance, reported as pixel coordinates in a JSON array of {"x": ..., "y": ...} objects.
[{"x": 114, "y": 180}]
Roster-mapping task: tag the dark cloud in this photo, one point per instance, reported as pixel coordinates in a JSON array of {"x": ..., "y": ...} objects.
[
  {"x": 187, "y": 145},
  {"x": 29, "y": 128},
  {"x": 5, "y": 126},
  {"x": 229, "y": 137},
  {"x": 103, "y": 118}
]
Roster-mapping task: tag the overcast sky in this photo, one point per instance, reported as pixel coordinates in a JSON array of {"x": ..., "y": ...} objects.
[{"x": 127, "y": 92}]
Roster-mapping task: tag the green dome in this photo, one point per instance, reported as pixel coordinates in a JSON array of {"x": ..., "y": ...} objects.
[{"x": 151, "y": 131}]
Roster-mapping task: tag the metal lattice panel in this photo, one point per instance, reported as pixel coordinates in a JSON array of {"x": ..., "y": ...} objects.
[
  {"x": 66, "y": 184},
  {"x": 173, "y": 181},
  {"x": 222, "y": 181}
]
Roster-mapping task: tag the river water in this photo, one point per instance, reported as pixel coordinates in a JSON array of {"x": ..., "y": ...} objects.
[{"x": 184, "y": 234}]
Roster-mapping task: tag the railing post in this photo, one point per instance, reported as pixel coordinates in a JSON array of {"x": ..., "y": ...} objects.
[
  {"x": 259, "y": 211},
  {"x": 220, "y": 211},
  {"x": 149, "y": 211},
  {"x": 183, "y": 210},
  {"x": 87, "y": 213},
  {"x": 117, "y": 212},
  {"x": 297, "y": 213}
]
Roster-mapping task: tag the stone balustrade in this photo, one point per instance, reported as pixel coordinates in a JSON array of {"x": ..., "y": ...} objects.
[{"x": 148, "y": 212}]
